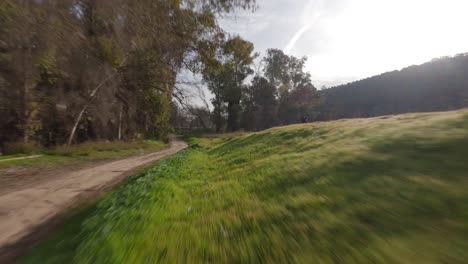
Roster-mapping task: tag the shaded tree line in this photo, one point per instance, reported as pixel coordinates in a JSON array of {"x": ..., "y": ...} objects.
[
  {"x": 280, "y": 92},
  {"x": 76, "y": 70},
  {"x": 438, "y": 85}
]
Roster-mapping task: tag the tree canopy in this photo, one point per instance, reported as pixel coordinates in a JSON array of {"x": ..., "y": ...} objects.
[{"x": 77, "y": 70}]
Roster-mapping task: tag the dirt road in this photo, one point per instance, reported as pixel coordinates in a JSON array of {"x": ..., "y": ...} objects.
[{"x": 24, "y": 210}]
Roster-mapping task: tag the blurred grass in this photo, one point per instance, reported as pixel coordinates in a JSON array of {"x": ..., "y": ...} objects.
[
  {"x": 88, "y": 151},
  {"x": 15, "y": 148},
  {"x": 381, "y": 190},
  {"x": 12, "y": 156}
]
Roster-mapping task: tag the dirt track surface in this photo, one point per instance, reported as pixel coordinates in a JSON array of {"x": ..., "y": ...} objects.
[{"x": 23, "y": 210}]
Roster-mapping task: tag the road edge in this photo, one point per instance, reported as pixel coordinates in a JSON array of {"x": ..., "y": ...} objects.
[{"x": 11, "y": 252}]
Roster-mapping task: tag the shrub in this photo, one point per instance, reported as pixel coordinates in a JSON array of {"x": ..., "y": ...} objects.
[
  {"x": 86, "y": 148},
  {"x": 21, "y": 148}
]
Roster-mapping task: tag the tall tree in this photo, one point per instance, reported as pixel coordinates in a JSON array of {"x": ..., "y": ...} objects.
[
  {"x": 260, "y": 105},
  {"x": 239, "y": 57},
  {"x": 287, "y": 74},
  {"x": 74, "y": 70},
  {"x": 225, "y": 75}
]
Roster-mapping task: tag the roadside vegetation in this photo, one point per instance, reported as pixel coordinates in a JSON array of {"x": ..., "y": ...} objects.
[
  {"x": 69, "y": 155},
  {"x": 381, "y": 190}
]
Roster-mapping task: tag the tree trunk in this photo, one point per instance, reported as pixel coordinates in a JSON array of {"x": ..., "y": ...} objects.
[
  {"x": 218, "y": 121},
  {"x": 233, "y": 116},
  {"x": 26, "y": 112},
  {"x": 119, "y": 137},
  {"x": 80, "y": 115},
  {"x": 91, "y": 98},
  {"x": 26, "y": 97},
  {"x": 25, "y": 56},
  {"x": 75, "y": 125}
]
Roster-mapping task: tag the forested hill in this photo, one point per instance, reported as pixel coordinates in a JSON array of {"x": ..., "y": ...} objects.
[{"x": 438, "y": 85}]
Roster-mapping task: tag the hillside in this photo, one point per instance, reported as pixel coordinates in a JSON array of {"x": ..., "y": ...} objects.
[
  {"x": 438, "y": 85},
  {"x": 383, "y": 190}
]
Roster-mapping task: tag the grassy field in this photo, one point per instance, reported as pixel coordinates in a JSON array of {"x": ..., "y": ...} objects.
[
  {"x": 380, "y": 190},
  {"x": 89, "y": 151}
]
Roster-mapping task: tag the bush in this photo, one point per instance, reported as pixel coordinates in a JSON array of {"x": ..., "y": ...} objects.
[
  {"x": 84, "y": 149},
  {"x": 21, "y": 148}
]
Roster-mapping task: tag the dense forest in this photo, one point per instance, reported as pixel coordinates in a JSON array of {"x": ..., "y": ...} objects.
[
  {"x": 438, "y": 85},
  {"x": 79, "y": 70}
]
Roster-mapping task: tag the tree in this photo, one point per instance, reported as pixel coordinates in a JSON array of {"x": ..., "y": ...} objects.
[
  {"x": 302, "y": 101},
  {"x": 224, "y": 75},
  {"x": 75, "y": 70},
  {"x": 239, "y": 58},
  {"x": 276, "y": 67},
  {"x": 260, "y": 105},
  {"x": 296, "y": 94}
]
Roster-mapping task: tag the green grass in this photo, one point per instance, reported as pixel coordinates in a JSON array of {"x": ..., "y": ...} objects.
[
  {"x": 3, "y": 157},
  {"x": 381, "y": 190},
  {"x": 89, "y": 151}
]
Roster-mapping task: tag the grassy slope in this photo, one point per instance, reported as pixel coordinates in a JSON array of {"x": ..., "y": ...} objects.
[
  {"x": 389, "y": 189},
  {"x": 89, "y": 151}
]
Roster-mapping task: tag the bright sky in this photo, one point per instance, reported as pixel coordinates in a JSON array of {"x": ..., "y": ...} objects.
[{"x": 346, "y": 40}]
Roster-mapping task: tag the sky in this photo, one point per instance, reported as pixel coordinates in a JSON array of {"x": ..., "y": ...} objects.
[{"x": 347, "y": 40}]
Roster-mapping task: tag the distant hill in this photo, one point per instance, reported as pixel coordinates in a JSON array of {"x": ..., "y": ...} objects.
[{"x": 438, "y": 85}]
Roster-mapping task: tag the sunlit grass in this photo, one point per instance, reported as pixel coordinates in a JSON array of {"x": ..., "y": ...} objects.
[{"x": 380, "y": 190}]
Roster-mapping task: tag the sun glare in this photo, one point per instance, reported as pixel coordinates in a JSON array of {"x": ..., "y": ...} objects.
[{"x": 383, "y": 35}]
